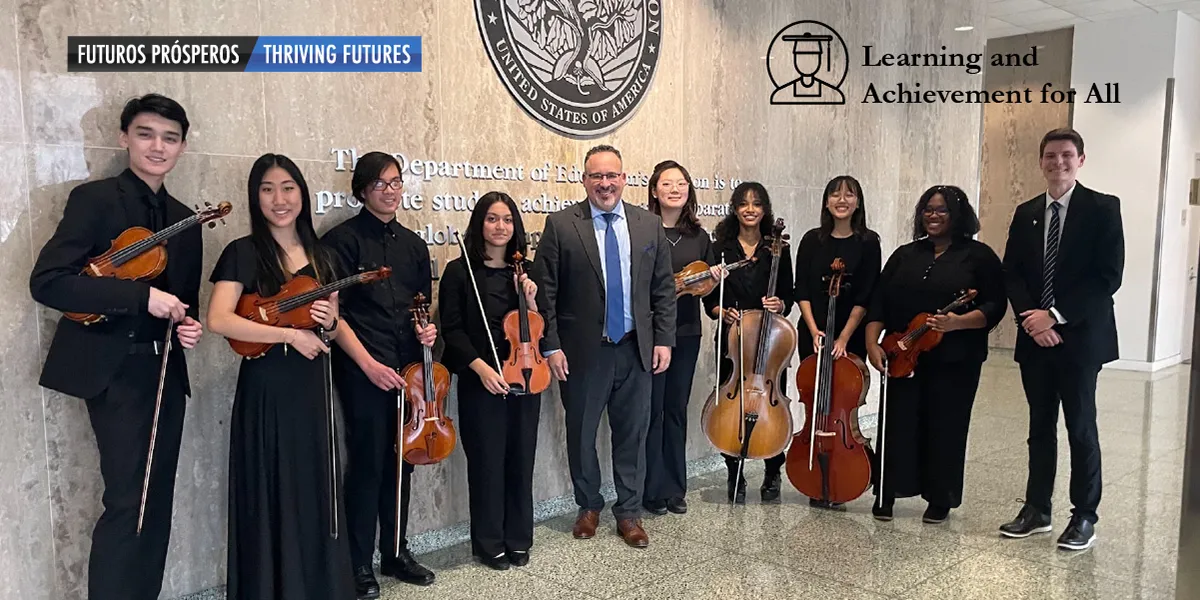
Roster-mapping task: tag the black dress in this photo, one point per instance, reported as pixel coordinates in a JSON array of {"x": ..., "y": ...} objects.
[
  {"x": 279, "y": 541},
  {"x": 862, "y": 257}
]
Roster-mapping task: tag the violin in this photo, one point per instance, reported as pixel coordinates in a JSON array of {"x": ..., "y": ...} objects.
[
  {"x": 697, "y": 280},
  {"x": 903, "y": 349},
  {"x": 139, "y": 254},
  {"x": 525, "y": 371},
  {"x": 748, "y": 416},
  {"x": 828, "y": 459},
  {"x": 290, "y": 306},
  {"x": 428, "y": 435}
]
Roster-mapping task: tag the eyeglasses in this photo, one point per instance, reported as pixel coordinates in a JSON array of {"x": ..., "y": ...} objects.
[
  {"x": 681, "y": 184},
  {"x": 935, "y": 211},
  {"x": 603, "y": 176},
  {"x": 395, "y": 184}
]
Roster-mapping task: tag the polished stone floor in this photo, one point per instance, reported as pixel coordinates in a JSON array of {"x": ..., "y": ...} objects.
[{"x": 724, "y": 552}]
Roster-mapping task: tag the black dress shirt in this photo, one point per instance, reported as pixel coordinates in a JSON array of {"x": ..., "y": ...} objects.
[
  {"x": 379, "y": 312},
  {"x": 686, "y": 249},
  {"x": 745, "y": 287},
  {"x": 155, "y": 206},
  {"x": 913, "y": 281}
]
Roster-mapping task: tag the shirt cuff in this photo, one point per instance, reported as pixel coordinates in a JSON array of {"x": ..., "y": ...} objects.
[
  {"x": 551, "y": 352},
  {"x": 1057, "y": 317}
]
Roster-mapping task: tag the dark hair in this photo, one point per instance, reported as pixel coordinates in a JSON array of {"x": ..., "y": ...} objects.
[
  {"x": 728, "y": 228},
  {"x": 858, "y": 220},
  {"x": 602, "y": 148},
  {"x": 475, "y": 246},
  {"x": 1062, "y": 133},
  {"x": 370, "y": 166},
  {"x": 157, "y": 104},
  {"x": 271, "y": 272},
  {"x": 688, "y": 223},
  {"x": 963, "y": 222}
]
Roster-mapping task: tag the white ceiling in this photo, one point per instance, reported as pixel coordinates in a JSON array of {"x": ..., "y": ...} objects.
[{"x": 1011, "y": 17}]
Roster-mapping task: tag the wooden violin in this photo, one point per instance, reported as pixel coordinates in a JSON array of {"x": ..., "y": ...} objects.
[
  {"x": 697, "y": 280},
  {"x": 290, "y": 307},
  {"x": 904, "y": 348},
  {"x": 526, "y": 370},
  {"x": 828, "y": 459},
  {"x": 748, "y": 416},
  {"x": 139, "y": 254},
  {"x": 428, "y": 434}
]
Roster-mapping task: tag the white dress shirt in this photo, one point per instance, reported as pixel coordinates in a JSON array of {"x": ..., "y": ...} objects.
[{"x": 1063, "y": 203}]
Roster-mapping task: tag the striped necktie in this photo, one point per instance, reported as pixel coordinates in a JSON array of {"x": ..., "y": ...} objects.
[{"x": 1051, "y": 258}]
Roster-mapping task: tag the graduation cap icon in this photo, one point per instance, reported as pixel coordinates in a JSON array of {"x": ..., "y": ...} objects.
[{"x": 808, "y": 43}]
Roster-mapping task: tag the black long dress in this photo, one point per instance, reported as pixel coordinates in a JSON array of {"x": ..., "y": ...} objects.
[{"x": 279, "y": 540}]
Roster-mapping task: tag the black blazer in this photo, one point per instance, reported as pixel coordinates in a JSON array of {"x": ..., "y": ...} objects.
[
  {"x": 1088, "y": 272},
  {"x": 568, "y": 265},
  {"x": 463, "y": 326},
  {"x": 83, "y": 358}
]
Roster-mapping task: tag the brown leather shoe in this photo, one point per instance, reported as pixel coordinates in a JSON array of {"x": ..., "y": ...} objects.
[
  {"x": 585, "y": 525},
  {"x": 631, "y": 530}
]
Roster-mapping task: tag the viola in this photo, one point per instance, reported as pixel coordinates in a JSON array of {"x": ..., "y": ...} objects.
[
  {"x": 748, "y": 416},
  {"x": 526, "y": 370},
  {"x": 903, "y": 349},
  {"x": 697, "y": 280},
  {"x": 290, "y": 306},
  {"x": 428, "y": 435},
  {"x": 139, "y": 254},
  {"x": 828, "y": 459}
]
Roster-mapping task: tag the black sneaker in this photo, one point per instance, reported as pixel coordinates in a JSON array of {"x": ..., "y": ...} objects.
[
  {"x": 657, "y": 507},
  {"x": 365, "y": 586},
  {"x": 882, "y": 513},
  {"x": 1080, "y": 534},
  {"x": 1028, "y": 522},
  {"x": 677, "y": 506},
  {"x": 770, "y": 488},
  {"x": 497, "y": 563},
  {"x": 518, "y": 558},
  {"x": 935, "y": 514}
]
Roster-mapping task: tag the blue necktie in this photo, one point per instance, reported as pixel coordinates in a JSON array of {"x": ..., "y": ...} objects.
[{"x": 614, "y": 310}]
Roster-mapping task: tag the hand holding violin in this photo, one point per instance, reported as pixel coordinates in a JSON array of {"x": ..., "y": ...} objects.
[
  {"x": 325, "y": 312},
  {"x": 529, "y": 288},
  {"x": 427, "y": 335},
  {"x": 945, "y": 323}
]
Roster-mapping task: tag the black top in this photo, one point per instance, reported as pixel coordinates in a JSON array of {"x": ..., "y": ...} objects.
[
  {"x": 686, "y": 249},
  {"x": 745, "y": 287},
  {"x": 862, "y": 258},
  {"x": 239, "y": 262},
  {"x": 913, "y": 281},
  {"x": 462, "y": 327},
  {"x": 379, "y": 312}
]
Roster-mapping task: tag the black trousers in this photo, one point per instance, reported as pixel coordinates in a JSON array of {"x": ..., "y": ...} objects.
[
  {"x": 499, "y": 437},
  {"x": 124, "y": 565},
  {"x": 666, "y": 441},
  {"x": 617, "y": 382},
  {"x": 1048, "y": 382},
  {"x": 774, "y": 464},
  {"x": 371, "y": 475},
  {"x": 925, "y": 424}
]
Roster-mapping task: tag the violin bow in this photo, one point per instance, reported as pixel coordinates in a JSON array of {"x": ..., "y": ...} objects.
[
  {"x": 479, "y": 299},
  {"x": 741, "y": 404},
  {"x": 331, "y": 435},
  {"x": 882, "y": 429},
  {"x": 162, "y": 378},
  {"x": 399, "y": 463}
]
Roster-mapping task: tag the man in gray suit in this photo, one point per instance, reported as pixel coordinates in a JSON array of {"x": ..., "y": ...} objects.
[{"x": 606, "y": 272}]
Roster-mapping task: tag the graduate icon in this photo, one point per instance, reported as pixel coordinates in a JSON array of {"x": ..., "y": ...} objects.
[{"x": 812, "y": 55}]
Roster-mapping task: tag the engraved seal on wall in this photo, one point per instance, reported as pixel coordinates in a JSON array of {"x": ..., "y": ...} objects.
[{"x": 580, "y": 67}]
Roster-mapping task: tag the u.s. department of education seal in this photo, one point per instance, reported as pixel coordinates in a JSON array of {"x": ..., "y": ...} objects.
[{"x": 581, "y": 67}]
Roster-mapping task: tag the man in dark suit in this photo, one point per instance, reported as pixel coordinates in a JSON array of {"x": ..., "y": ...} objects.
[
  {"x": 114, "y": 364},
  {"x": 1063, "y": 263},
  {"x": 606, "y": 273}
]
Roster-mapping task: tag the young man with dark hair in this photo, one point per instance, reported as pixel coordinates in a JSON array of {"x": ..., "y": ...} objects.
[
  {"x": 381, "y": 340},
  {"x": 1063, "y": 262},
  {"x": 114, "y": 364}
]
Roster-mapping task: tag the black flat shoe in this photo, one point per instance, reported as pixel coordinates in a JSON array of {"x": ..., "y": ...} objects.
[
  {"x": 496, "y": 563},
  {"x": 365, "y": 586},
  {"x": 882, "y": 513},
  {"x": 770, "y": 489},
  {"x": 935, "y": 514},
  {"x": 1028, "y": 522},
  {"x": 677, "y": 506},
  {"x": 406, "y": 569},
  {"x": 1080, "y": 534},
  {"x": 518, "y": 558},
  {"x": 656, "y": 507}
]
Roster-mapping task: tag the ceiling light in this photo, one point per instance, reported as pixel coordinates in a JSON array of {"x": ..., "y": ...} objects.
[{"x": 964, "y": 28}]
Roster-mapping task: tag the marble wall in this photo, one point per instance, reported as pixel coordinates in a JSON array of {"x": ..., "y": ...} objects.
[
  {"x": 708, "y": 108},
  {"x": 1012, "y": 134}
]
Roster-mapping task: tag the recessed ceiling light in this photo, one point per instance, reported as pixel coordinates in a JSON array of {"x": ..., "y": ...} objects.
[{"x": 964, "y": 28}]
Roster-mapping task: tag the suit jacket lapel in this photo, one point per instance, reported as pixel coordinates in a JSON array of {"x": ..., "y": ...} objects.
[
  {"x": 587, "y": 236},
  {"x": 636, "y": 243},
  {"x": 1081, "y": 201},
  {"x": 1039, "y": 235}
]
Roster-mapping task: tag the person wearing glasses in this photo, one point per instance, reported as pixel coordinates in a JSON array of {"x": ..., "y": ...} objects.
[
  {"x": 605, "y": 268},
  {"x": 928, "y": 414},
  {"x": 381, "y": 339}
]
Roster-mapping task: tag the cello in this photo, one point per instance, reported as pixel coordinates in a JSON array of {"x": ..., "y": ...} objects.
[
  {"x": 828, "y": 460},
  {"x": 904, "y": 348},
  {"x": 748, "y": 416},
  {"x": 428, "y": 434},
  {"x": 526, "y": 370}
]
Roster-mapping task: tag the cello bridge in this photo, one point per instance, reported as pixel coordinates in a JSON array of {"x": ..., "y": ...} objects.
[{"x": 821, "y": 433}]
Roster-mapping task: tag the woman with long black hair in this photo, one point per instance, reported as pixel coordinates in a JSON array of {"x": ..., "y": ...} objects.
[
  {"x": 673, "y": 197},
  {"x": 742, "y": 234},
  {"x": 279, "y": 496},
  {"x": 498, "y": 426},
  {"x": 843, "y": 234}
]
